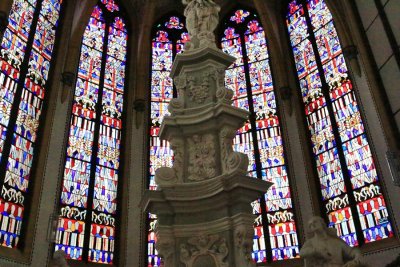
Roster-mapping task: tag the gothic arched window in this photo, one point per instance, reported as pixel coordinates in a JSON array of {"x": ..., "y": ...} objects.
[
  {"x": 25, "y": 55},
  {"x": 348, "y": 178},
  {"x": 88, "y": 206},
  {"x": 251, "y": 80},
  {"x": 169, "y": 38}
]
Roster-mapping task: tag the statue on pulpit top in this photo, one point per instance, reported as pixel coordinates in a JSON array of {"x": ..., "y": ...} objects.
[{"x": 201, "y": 21}]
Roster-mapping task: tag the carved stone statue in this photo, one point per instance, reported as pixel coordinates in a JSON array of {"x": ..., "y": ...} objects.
[
  {"x": 204, "y": 218},
  {"x": 201, "y": 21},
  {"x": 325, "y": 249},
  {"x": 59, "y": 259}
]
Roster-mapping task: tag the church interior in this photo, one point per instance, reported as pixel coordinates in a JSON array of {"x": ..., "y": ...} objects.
[{"x": 85, "y": 86}]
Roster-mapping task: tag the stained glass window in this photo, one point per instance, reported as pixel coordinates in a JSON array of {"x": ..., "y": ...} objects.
[
  {"x": 350, "y": 188},
  {"x": 87, "y": 225},
  {"x": 25, "y": 54},
  {"x": 169, "y": 38},
  {"x": 250, "y": 78}
]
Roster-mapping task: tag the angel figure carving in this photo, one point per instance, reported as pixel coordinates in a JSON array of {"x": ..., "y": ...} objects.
[
  {"x": 59, "y": 259},
  {"x": 201, "y": 21},
  {"x": 325, "y": 249}
]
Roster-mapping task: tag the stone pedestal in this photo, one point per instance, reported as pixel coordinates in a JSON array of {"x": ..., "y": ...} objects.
[{"x": 203, "y": 201}]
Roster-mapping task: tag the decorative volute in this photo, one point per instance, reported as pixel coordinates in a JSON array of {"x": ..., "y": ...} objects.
[{"x": 203, "y": 121}]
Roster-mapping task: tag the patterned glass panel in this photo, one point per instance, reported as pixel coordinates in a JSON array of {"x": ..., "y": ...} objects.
[
  {"x": 95, "y": 94},
  {"x": 102, "y": 234},
  {"x": 346, "y": 118},
  {"x": 360, "y": 164},
  {"x": 13, "y": 55},
  {"x": 78, "y": 165},
  {"x": 168, "y": 41},
  {"x": 240, "y": 16},
  {"x": 174, "y": 23},
  {"x": 248, "y": 44},
  {"x": 110, "y": 5}
]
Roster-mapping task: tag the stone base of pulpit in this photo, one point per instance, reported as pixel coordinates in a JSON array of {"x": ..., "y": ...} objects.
[{"x": 206, "y": 223}]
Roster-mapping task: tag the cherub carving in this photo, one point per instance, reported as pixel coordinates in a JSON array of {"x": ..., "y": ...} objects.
[
  {"x": 325, "y": 249},
  {"x": 59, "y": 259}
]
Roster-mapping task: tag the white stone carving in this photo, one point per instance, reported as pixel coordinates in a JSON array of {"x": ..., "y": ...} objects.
[
  {"x": 206, "y": 190},
  {"x": 223, "y": 94},
  {"x": 220, "y": 77},
  {"x": 166, "y": 247},
  {"x": 202, "y": 163},
  {"x": 325, "y": 249},
  {"x": 165, "y": 176},
  {"x": 231, "y": 161},
  {"x": 177, "y": 145},
  {"x": 198, "y": 93},
  {"x": 211, "y": 248},
  {"x": 171, "y": 176},
  {"x": 177, "y": 104},
  {"x": 59, "y": 259},
  {"x": 201, "y": 21},
  {"x": 244, "y": 244}
]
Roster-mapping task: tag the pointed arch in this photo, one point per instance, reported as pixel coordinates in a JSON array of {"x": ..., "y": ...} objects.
[
  {"x": 350, "y": 188},
  {"x": 250, "y": 78},
  {"x": 87, "y": 227},
  {"x": 168, "y": 39},
  {"x": 26, "y": 53}
]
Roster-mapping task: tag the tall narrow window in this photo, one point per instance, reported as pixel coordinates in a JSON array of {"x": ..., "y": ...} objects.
[
  {"x": 350, "y": 188},
  {"x": 251, "y": 80},
  {"x": 169, "y": 38},
  {"x": 25, "y": 55},
  {"x": 87, "y": 227}
]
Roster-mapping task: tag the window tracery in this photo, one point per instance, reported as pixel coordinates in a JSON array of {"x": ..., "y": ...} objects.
[
  {"x": 88, "y": 208},
  {"x": 168, "y": 40},
  {"x": 26, "y": 52},
  {"x": 350, "y": 188},
  {"x": 251, "y": 80}
]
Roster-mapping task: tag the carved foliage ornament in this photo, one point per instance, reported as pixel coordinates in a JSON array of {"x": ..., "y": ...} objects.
[
  {"x": 212, "y": 249},
  {"x": 198, "y": 93},
  {"x": 202, "y": 161},
  {"x": 244, "y": 243}
]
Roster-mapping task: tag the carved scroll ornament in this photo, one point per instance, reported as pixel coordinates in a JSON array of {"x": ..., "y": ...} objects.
[{"x": 212, "y": 249}]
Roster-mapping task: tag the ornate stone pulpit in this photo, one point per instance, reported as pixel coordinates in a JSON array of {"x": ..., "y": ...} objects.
[{"x": 203, "y": 202}]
